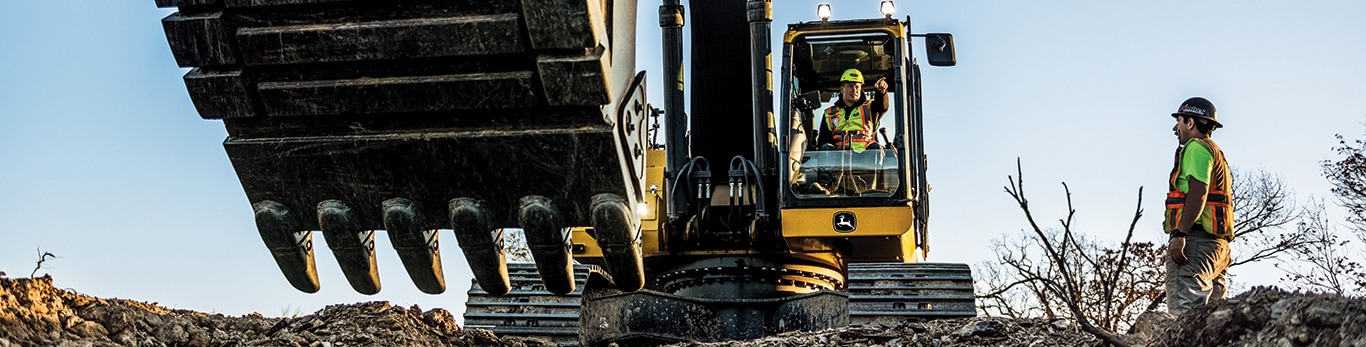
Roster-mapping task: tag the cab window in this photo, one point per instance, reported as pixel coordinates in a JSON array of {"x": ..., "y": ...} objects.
[{"x": 839, "y": 149}]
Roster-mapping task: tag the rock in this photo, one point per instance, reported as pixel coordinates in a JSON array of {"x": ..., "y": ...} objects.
[
  {"x": 314, "y": 324},
  {"x": 1318, "y": 316},
  {"x": 1272, "y": 317},
  {"x": 89, "y": 329},
  {"x": 440, "y": 319},
  {"x": 1218, "y": 318},
  {"x": 980, "y": 328},
  {"x": 1151, "y": 324},
  {"x": 199, "y": 337},
  {"x": 1061, "y": 323},
  {"x": 125, "y": 338},
  {"x": 916, "y": 327},
  {"x": 174, "y": 334},
  {"x": 1133, "y": 340}
]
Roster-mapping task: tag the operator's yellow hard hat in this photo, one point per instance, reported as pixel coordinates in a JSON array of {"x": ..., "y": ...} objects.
[{"x": 852, "y": 75}]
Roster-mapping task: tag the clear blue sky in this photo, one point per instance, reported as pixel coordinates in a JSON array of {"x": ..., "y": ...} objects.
[{"x": 104, "y": 162}]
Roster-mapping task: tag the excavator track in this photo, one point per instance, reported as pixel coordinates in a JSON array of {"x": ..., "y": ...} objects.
[
  {"x": 528, "y": 309},
  {"x": 888, "y": 293},
  {"x": 879, "y": 293}
]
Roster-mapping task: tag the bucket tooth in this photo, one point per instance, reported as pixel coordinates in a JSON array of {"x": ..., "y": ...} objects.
[
  {"x": 481, "y": 243},
  {"x": 353, "y": 246},
  {"x": 291, "y": 247},
  {"x": 548, "y": 239},
  {"x": 618, "y": 234},
  {"x": 416, "y": 245}
]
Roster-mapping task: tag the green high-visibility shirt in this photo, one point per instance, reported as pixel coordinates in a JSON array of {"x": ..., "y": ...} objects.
[{"x": 1196, "y": 162}]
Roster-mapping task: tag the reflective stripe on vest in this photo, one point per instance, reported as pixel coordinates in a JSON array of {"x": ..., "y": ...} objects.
[
  {"x": 845, "y": 130},
  {"x": 1217, "y": 215}
]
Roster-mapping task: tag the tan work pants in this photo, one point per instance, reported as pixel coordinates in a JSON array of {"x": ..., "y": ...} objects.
[{"x": 1201, "y": 280}]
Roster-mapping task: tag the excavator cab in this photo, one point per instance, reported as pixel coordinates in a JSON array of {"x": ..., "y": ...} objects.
[
  {"x": 886, "y": 180},
  {"x": 819, "y": 169},
  {"x": 815, "y": 56}
]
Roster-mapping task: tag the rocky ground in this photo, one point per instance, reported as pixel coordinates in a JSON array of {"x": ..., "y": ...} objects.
[
  {"x": 34, "y": 313},
  {"x": 1272, "y": 317},
  {"x": 981, "y": 331}
]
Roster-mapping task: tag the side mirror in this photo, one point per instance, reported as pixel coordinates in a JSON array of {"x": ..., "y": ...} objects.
[
  {"x": 807, "y": 101},
  {"x": 939, "y": 48}
]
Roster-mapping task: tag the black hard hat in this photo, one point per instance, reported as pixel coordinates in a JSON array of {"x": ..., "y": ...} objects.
[{"x": 1198, "y": 107}]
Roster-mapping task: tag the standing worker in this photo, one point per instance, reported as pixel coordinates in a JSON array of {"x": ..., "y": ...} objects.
[
  {"x": 850, "y": 122},
  {"x": 1199, "y": 214}
]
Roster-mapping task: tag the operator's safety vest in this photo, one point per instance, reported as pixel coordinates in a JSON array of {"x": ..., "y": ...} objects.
[
  {"x": 1217, "y": 216},
  {"x": 852, "y": 129}
]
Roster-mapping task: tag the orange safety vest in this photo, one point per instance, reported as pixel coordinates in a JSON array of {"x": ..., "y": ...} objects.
[
  {"x": 845, "y": 133},
  {"x": 1217, "y": 215}
]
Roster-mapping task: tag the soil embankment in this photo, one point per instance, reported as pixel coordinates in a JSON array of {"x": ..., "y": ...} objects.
[{"x": 34, "y": 313}]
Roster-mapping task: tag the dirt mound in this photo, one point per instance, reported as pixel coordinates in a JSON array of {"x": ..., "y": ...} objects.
[
  {"x": 1262, "y": 317},
  {"x": 34, "y": 313},
  {"x": 1272, "y": 317}
]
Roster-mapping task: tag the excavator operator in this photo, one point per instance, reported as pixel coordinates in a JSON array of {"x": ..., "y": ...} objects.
[{"x": 850, "y": 123}]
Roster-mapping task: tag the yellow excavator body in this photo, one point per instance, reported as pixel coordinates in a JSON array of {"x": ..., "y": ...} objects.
[{"x": 425, "y": 118}]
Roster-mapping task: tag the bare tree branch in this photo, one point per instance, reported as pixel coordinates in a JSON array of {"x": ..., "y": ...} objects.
[
  {"x": 514, "y": 244},
  {"x": 1263, "y": 206},
  {"x": 1348, "y": 176},
  {"x": 1325, "y": 262},
  {"x": 1008, "y": 287},
  {"x": 1110, "y": 285},
  {"x": 1261, "y": 202},
  {"x": 1123, "y": 255},
  {"x": 1068, "y": 259},
  {"x": 42, "y": 257}
]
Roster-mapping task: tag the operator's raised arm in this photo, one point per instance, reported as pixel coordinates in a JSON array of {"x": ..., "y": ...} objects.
[{"x": 880, "y": 102}]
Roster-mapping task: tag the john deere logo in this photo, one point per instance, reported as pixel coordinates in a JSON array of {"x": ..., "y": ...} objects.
[{"x": 845, "y": 222}]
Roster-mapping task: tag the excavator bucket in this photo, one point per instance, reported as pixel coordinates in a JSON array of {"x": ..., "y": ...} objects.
[{"x": 348, "y": 117}]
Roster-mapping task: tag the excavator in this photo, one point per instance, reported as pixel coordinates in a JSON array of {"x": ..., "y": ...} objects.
[{"x": 418, "y": 117}]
